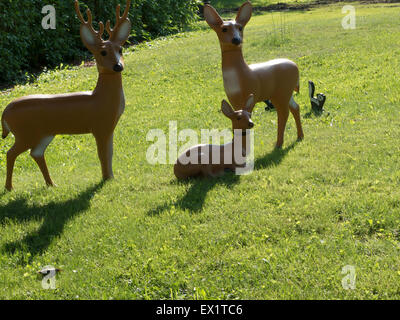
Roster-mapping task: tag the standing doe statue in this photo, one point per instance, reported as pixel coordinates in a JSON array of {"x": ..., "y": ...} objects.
[
  {"x": 274, "y": 80},
  {"x": 36, "y": 120},
  {"x": 208, "y": 160}
]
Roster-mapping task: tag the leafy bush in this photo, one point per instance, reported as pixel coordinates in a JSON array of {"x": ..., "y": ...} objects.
[{"x": 26, "y": 47}]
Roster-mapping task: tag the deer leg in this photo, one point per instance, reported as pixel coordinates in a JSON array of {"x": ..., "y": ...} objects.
[
  {"x": 295, "y": 110},
  {"x": 12, "y": 154},
  {"x": 41, "y": 162},
  {"x": 105, "y": 152},
  {"x": 213, "y": 172},
  {"x": 208, "y": 171},
  {"x": 37, "y": 153},
  {"x": 283, "y": 115}
]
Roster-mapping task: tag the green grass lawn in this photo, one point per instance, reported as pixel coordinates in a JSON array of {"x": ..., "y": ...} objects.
[{"x": 283, "y": 232}]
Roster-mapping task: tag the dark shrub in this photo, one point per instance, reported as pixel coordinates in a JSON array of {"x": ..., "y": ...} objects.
[{"x": 26, "y": 47}]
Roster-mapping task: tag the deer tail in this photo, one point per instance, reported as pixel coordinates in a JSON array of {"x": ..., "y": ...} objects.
[{"x": 6, "y": 129}]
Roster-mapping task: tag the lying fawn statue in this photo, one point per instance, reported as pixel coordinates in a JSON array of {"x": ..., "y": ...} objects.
[
  {"x": 36, "y": 120},
  {"x": 213, "y": 160},
  {"x": 274, "y": 80}
]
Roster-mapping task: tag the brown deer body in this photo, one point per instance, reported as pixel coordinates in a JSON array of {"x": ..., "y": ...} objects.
[
  {"x": 36, "y": 120},
  {"x": 274, "y": 80},
  {"x": 203, "y": 155}
]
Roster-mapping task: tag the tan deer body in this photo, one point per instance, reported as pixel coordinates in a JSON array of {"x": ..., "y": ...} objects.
[
  {"x": 274, "y": 80},
  {"x": 227, "y": 159},
  {"x": 36, "y": 120}
]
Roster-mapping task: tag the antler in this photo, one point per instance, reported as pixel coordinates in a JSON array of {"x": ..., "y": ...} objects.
[
  {"x": 120, "y": 19},
  {"x": 97, "y": 34}
]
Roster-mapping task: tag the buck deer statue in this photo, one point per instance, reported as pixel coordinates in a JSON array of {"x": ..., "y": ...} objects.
[
  {"x": 36, "y": 120},
  {"x": 208, "y": 160},
  {"x": 274, "y": 80}
]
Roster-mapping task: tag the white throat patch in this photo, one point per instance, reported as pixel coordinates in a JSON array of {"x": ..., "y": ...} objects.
[{"x": 231, "y": 82}]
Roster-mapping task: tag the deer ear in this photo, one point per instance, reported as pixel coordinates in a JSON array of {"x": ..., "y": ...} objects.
[
  {"x": 244, "y": 13},
  {"x": 227, "y": 109},
  {"x": 212, "y": 17},
  {"x": 123, "y": 32},
  {"x": 250, "y": 103},
  {"x": 88, "y": 38}
]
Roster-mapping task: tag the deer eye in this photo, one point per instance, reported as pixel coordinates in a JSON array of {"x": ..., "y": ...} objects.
[
  {"x": 120, "y": 51},
  {"x": 103, "y": 53},
  {"x": 240, "y": 28},
  {"x": 225, "y": 30},
  {"x": 239, "y": 118}
]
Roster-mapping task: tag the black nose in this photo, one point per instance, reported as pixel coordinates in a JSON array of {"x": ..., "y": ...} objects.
[
  {"x": 118, "y": 67},
  {"x": 251, "y": 125},
  {"x": 236, "y": 41}
]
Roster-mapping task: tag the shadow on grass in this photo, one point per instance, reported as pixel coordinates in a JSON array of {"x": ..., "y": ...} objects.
[
  {"x": 54, "y": 214},
  {"x": 274, "y": 158},
  {"x": 196, "y": 195}
]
